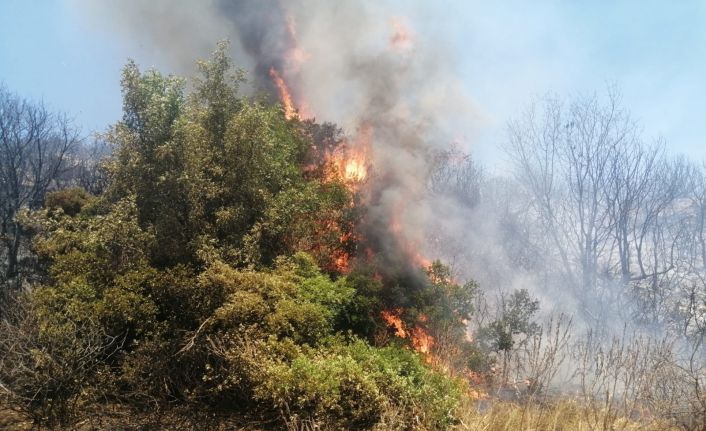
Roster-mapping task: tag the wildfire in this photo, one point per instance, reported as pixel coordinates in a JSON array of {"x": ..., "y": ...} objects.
[
  {"x": 421, "y": 341},
  {"x": 355, "y": 170},
  {"x": 351, "y": 162},
  {"x": 421, "y": 261},
  {"x": 294, "y": 58},
  {"x": 342, "y": 263},
  {"x": 341, "y": 258},
  {"x": 393, "y": 319},
  {"x": 284, "y": 95},
  {"x": 407, "y": 245},
  {"x": 348, "y": 165}
]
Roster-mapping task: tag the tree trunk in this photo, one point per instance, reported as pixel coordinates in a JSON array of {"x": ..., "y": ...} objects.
[{"x": 12, "y": 255}]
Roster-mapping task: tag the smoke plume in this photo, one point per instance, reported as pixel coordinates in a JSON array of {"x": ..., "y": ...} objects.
[
  {"x": 395, "y": 92},
  {"x": 357, "y": 64},
  {"x": 393, "y": 89}
]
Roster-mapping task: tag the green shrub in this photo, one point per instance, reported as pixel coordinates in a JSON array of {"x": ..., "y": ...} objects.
[
  {"x": 70, "y": 201},
  {"x": 170, "y": 289}
]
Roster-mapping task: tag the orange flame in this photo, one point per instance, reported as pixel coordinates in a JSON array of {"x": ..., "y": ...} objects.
[
  {"x": 348, "y": 165},
  {"x": 284, "y": 95},
  {"x": 342, "y": 263},
  {"x": 421, "y": 341},
  {"x": 392, "y": 318},
  {"x": 421, "y": 261},
  {"x": 355, "y": 170},
  {"x": 351, "y": 162},
  {"x": 294, "y": 58},
  {"x": 341, "y": 259}
]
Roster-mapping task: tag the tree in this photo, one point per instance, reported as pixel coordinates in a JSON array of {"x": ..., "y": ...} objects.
[
  {"x": 36, "y": 148},
  {"x": 512, "y": 328},
  {"x": 602, "y": 197},
  {"x": 516, "y": 319},
  {"x": 218, "y": 176},
  {"x": 90, "y": 173}
]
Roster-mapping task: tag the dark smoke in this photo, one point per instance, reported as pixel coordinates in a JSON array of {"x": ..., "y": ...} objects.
[
  {"x": 262, "y": 30},
  {"x": 355, "y": 64}
]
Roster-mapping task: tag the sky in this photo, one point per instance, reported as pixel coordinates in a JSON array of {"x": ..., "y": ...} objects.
[{"x": 506, "y": 53}]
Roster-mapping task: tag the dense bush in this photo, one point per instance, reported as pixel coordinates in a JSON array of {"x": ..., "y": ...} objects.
[
  {"x": 204, "y": 278},
  {"x": 70, "y": 201}
]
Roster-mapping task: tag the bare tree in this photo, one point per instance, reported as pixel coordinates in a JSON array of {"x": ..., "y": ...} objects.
[
  {"x": 89, "y": 170},
  {"x": 35, "y": 149},
  {"x": 457, "y": 175},
  {"x": 606, "y": 201}
]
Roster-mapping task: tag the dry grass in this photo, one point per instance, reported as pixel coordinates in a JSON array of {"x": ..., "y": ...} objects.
[
  {"x": 10, "y": 420},
  {"x": 495, "y": 416},
  {"x": 560, "y": 416}
]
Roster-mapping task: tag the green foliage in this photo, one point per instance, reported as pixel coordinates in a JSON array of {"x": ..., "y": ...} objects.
[
  {"x": 425, "y": 398},
  {"x": 99, "y": 273},
  {"x": 514, "y": 325},
  {"x": 362, "y": 315},
  {"x": 447, "y": 301},
  {"x": 219, "y": 177},
  {"x": 203, "y": 275},
  {"x": 70, "y": 201},
  {"x": 351, "y": 385},
  {"x": 478, "y": 360}
]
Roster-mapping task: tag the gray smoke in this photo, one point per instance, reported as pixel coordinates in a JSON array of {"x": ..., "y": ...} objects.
[
  {"x": 366, "y": 66},
  {"x": 357, "y": 64},
  {"x": 363, "y": 66}
]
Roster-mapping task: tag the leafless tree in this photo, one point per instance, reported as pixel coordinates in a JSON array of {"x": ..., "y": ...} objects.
[
  {"x": 35, "y": 149},
  {"x": 89, "y": 170},
  {"x": 621, "y": 377},
  {"x": 457, "y": 175},
  {"x": 607, "y": 202},
  {"x": 563, "y": 157},
  {"x": 545, "y": 353}
]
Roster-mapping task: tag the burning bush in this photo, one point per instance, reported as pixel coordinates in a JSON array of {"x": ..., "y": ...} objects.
[{"x": 196, "y": 279}]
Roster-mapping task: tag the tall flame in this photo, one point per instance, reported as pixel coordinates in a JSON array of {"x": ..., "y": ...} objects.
[
  {"x": 393, "y": 319},
  {"x": 294, "y": 107},
  {"x": 284, "y": 95},
  {"x": 351, "y": 162},
  {"x": 420, "y": 339},
  {"x": 355, "y": 170}
]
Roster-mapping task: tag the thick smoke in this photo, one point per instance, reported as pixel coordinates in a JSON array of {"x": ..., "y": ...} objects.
[
  {"x": 365, "y": 67},
  {"x": 393, "y": 89},
  {"x": 357, "y": 64}
]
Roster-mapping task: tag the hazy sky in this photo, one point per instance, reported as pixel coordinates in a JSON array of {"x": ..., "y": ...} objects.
[{"x": 506, "y": 53}]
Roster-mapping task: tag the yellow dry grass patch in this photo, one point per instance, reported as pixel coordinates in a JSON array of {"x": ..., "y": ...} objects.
[{"x": 560, "y": 416}]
